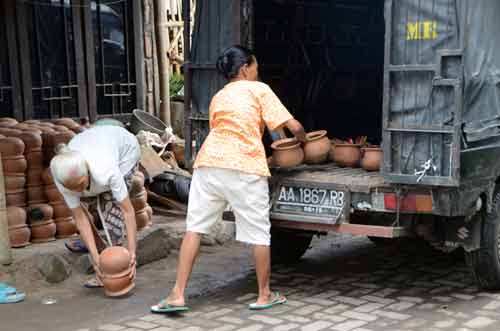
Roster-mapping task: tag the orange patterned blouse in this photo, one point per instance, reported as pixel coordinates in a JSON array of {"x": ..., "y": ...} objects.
[{"x": 238, "y": 116}]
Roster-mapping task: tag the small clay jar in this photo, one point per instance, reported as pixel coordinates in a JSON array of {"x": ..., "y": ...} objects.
[
  {"x": 372, "y": 158},
  {"x": 317, "y": 147},
  {"x": 16, "y": 216},
  {"x": 66, "y": 121},
  {"x": 11, "y": 146},
  {"x": 10, "y": 132},
  {"x": 14, "y": 184},
  {"x": 115, "y": 286},
  {"x": 31, "y": 122},
  {"x": 142, "y": 219},
  {"x": 114, "y": 260},
  {"x": 287, "y": 153},
  {"x": 47, "y": 124},
  {"x": 346, "y": 155},
  {"x": 14, "y": 164},
  {"x": 43, "y": 231},
  {"x": 41, "y": 212},
  {"x": 8, "y": 121},
  {"x": 34, "y": 177},
  {"x": 137, "y": 185},
  {"x": 47, "y": 177},
  {"x": 20, "y": 236},
  {"x": 16, "y": 199},
  {"x": 53, "y": 194},
  {"x": 22, "y": 127},
  {"x": 61, "y": 128},
  {"x": 149, "y": 211},
  {"x": 36, "y": 195},
  {"x": 32, "y": 140},
  {"x": 138, "y": 204},
  {"x": 35, "y": 160},
  {"x": 61, "y": 210},
  {"x": 65, "y": 227}
]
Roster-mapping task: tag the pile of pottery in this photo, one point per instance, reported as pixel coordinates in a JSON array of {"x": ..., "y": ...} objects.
[
  {"x": 65, "y": 225},
  {"x": 19, "y": 232},
  {"x": 14, "y": 168},
  {"x": 117, "y": 274},
  {"x": 139, "y": 199},
  {"x": 289, "y": 152},
  {"x": 43, "y": 228}
]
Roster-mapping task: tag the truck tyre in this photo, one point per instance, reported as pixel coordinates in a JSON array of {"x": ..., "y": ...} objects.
[
  {"x": 485, "y": 262},
  {"x": 288, "y": 246}
]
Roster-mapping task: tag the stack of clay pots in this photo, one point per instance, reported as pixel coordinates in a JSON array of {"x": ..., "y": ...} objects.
[
  {"x": 60, "y": 135},
  {"x": 118, "y": 277},
  {"x": 14, "y": 168},
  {"x": 139, "y": 199},
  {"x": 43, "y": 228},
  {"x": 19, "y": 232},
  {"x": 63, "y": 218}
]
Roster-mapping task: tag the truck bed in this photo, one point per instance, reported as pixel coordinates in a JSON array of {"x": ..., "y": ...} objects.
[{"x": 356, "y": 179}]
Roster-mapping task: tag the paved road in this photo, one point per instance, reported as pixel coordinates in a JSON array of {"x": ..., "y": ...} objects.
[{"x": 341, "y": 284}]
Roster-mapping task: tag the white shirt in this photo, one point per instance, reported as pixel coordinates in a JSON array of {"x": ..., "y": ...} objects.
[{"x": 111, "y": 152}]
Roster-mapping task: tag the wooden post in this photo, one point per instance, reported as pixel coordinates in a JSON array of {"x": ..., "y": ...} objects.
[
  {"x": 164, "y": 62},
  {"x": 5, "y": 253}
]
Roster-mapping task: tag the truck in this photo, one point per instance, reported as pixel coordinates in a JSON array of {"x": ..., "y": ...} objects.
[{"x": 420, "y": 78}]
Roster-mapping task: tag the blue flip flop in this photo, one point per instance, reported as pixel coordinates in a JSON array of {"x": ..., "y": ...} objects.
[
  {"x": 6, "y": 289},
  {"x": 277, "y": 300},
  {"x": 12, "y": 298},
  {"x": 164, "y": 308},
  {"x": 76, "y": 246}
]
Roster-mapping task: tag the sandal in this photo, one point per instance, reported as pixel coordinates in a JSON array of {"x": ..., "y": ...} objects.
[
  {"x": 93, "y": 283},
  {"x": 12, "y": 298},
  {"x": 76, "y": 246},
  {"x": 164, "y": 308},
  {"x": 278, "y": 299}
]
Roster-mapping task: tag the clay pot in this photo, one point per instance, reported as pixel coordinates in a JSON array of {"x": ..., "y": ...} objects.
[
  {"x": 140, "y": 200},
  {"x": 19, "y": 237},
  {"x": 36, "y": 195},
  {"x": 137, "y": 184},
  {"x": 78, "y": 129},
  {"x": 47, "y": 177},
  {"x": 8, "y": 121},
  {"x": 14, "y": 184},
  {"x": 16, "y": 199},
  {"x": 53, "y": 194},
  {"x": 32, "y": 140},
  {"x": 46, "y": 130},
  {"x": 43, "y": 231},
  {"x": 34, "y": 177},
  {"x": 46, "y": 124},
  {"x": 53, "y": 140},
  {"x": 31, "y": 122},
  {"x": 346, "y": 155},
  {"x": 66, "y": 121},
  {"x": 61, "y": 128},
  {"x": 149, "y": 211},
  {"x": 65, "y": 227},
  {"x": 14, "y": 164},
  {"x": 35, "y": 160},
  {"x": 317, "y": 147},
  {"x": 9, "y": 132},
  {"x": 23, "y": 127},
  {"x": 372, "y": 157},
  {"x": 114, "y": 260},
  {"x": 16, "y": 216},
  {"x": 118, "y": 285},
  {"x": 40, "y": 212},
  {"x": 61, "y": 210},
  {"x": 11, "y": 146},
  {"x": 287, "y": 152},
  {"x": 141, "y": 219}
]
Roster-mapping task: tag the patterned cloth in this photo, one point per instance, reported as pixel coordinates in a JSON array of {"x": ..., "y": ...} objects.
[
  {"x": 112, "y": 215},
  {"x": 238, "y": 116}
]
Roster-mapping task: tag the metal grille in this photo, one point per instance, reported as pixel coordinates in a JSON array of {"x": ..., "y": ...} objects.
[{"x": 6, "y": 107}]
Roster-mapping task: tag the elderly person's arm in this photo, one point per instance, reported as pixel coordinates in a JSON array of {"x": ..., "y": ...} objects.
[
  {"x": 82, "y": 220},
  {"x": 131, "y": 225}
]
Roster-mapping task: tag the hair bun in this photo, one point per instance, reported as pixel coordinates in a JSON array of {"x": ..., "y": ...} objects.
[{"x": 61, "y": 149}]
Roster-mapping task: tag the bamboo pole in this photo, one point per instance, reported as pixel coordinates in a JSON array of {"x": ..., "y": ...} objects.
[
  {"x": 5, "y": 253},
  {"x": 164, "y": 62}
]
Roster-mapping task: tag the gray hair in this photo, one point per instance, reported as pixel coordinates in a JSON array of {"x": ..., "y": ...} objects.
[{"x": 67, "y": 164}]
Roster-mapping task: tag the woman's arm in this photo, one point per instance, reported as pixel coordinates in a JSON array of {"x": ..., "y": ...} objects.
[{"x": 296, "y": 129}]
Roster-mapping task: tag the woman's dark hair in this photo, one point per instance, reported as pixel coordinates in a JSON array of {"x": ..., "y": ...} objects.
[{"x": 232, "y": 59}]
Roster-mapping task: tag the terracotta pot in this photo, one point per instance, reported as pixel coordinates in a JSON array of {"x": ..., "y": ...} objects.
[
  {"x": 78, "y": 129},
  {"x": 32, "y": 140},
  {"x": 35, "y": 160},
  {"x": 149, "y": 211},
  {"x": 16, "y": 216},
  {"x": 36, "y": 193},
  {"x": 47, "y": 177},
  {"x": 137, "y": 184},
  {"x": 346, "y": 155},
  {"x": 53, "y": 194},
  {"x": 61, "y": 128},
  {"x": 14, "y": 164},
  {"x": 317, "y": 147},
  {"x": 61, "y": 210},
  {"x": 66, "y": 227},
  {"x": 118, "y": 286},
  {"x": 9, "y": 132},
  {"x": 66, "y": 121},
  {"x": 47, "y": 124},
  {"x": 372, "y": 157},
  {"x": 46, "y": 130},
  {"x": 287, "y": 152},
  {"x": 40, "y": 212},
  {"x": 34, "y": 177},
  {"x": 53, "y": 140},
  {"x": 140, "y": 201},
  {"x": 31, "y": 122},
  {"x": 142, "y": 219},
  {"x": 11, "y": 146},
  {"x": 16, "y": 199},
  {"x": 14, "y": 184},
  {"x": 19, "y": 237},
  {"x": 114, "y": 260},
  {"x": 22, "y": 126},
  {"x": 43, "y": 232},
  {"x": 8, "y": 121}
]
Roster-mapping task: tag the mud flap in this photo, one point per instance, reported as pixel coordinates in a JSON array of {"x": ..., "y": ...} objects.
[{"x": 469, "y": 242}]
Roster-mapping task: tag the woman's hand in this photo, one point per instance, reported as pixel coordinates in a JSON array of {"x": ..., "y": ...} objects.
[{"x": 297, "y": 130}]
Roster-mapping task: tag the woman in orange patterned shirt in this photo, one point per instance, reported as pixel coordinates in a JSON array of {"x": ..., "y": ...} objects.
[{"x": 231, "y": 169}]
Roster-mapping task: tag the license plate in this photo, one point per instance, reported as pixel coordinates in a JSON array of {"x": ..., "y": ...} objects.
[{"x": 327, "y": 203}]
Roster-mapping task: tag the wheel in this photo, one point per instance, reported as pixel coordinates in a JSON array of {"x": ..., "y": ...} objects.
[
  {"x": 288, "y": 246},
  {"x": 485, "y": 262}
]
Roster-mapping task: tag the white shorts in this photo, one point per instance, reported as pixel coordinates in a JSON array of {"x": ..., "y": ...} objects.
[{"x": 213, "y": 189}]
